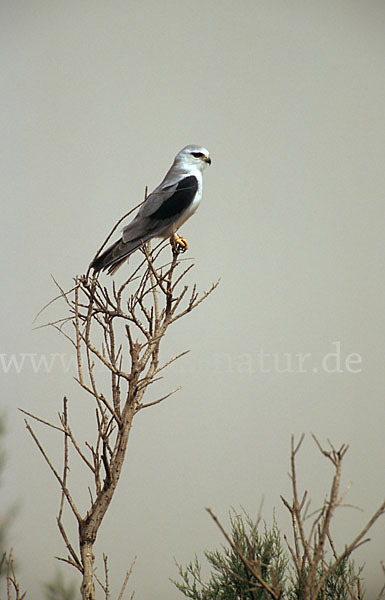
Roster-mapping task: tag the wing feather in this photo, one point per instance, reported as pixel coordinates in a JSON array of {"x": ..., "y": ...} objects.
[
  {"x": 162, "y": 209},
  {"x": 164, "y": 206}
]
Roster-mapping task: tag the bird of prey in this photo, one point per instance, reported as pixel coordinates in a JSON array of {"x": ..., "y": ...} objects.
[{"x": 164, "y": 211}]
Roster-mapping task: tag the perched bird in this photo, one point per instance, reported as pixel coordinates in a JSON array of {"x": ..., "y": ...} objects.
[{"x": 164, "y": 211}]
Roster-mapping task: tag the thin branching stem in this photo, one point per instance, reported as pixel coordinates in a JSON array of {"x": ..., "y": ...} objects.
[{"x": 117, "y": 330}]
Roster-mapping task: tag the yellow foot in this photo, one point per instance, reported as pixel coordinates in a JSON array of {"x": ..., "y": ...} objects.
[{"x": 178, "y": 243}]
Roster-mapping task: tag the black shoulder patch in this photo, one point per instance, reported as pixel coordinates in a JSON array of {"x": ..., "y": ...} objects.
[{"x": 179, "y": 201}]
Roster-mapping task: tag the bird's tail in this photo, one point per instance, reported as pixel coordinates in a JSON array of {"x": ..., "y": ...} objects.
[{"x": 113, "y": 258}]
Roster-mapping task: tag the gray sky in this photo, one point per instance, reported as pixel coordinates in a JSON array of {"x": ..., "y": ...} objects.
[{"x": 96, "y": 99}]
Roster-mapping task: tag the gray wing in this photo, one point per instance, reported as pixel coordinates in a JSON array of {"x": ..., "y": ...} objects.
[{"x": 162, "y": 208}]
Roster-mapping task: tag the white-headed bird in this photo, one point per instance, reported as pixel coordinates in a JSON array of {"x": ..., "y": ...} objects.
[{"x": 164, "y": 211}]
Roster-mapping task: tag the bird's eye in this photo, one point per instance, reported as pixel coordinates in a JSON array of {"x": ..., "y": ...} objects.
[{"x": 198, "y": 154}]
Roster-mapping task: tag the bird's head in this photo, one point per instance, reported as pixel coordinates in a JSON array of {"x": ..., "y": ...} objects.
[{"x": 192, "y": 157}]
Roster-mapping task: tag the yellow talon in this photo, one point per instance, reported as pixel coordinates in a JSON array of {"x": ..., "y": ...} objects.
[{"x": 178, "y": 243}]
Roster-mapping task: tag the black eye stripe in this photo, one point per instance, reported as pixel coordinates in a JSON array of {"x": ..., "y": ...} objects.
[{"x": 197, "y": 154}]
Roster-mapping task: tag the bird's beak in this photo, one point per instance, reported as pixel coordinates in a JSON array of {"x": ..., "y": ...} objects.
[{"x": 207, "y": 159}]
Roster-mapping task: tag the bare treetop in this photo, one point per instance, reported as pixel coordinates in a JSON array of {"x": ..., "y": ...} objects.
[{"x": 117, "y": 330}]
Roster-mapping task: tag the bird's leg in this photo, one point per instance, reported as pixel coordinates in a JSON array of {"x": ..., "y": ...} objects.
[{"x": 178, "y": 243}]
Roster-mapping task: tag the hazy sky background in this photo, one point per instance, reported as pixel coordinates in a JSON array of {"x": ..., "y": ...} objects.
[{"x": 96, "y": 99}]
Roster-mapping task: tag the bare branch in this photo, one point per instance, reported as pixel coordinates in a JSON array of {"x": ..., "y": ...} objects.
[
  {"x": 12, "y": 583},
  {"x": 159, "y": 399},
  {"x": 120, "y": 597},
  {"x": 41, "y": 420},
  {"x": 118, "y": 331},
  {"x": 54, "y": 471}
]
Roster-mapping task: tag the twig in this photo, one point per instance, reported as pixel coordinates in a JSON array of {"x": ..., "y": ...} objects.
[
  {"x": 159, "y": 399},
  {"x": 54, "y": 471},
  {"x": 120, "y": 597}
]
